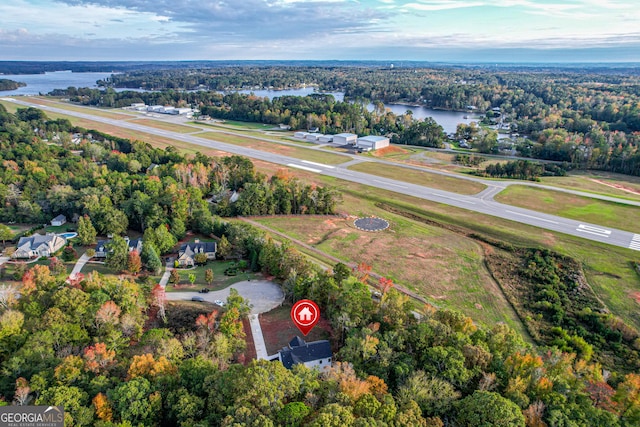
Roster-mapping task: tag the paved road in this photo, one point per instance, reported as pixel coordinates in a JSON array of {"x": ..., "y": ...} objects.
[
  {"x": 262, "y": 294},
  {"x": 483, "y": 204}
]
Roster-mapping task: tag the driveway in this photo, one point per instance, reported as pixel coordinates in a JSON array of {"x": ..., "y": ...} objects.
[
  {"x": 262, "y": 294},
  {"x": 79, "y": 264}
]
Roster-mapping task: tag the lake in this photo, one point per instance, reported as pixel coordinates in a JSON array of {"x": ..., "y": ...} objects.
[{"x": 45, "y": 83}]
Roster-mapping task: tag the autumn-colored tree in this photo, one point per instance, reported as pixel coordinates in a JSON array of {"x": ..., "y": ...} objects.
[
  {"x": 76, "y": 280},
  {"x": 361, "y": 271},
  {"x": 208, "y": 276},
  {"x": 601, "y": 394},
  {"x": 56, "y": 266},
  {"x": 21, "y": 396},
  {"x": 98, "y": 358},
  {"x": 385, "y": 284},
  {"x": 108, "y": 314},
  {"x": 534, "y": 414},
  {"x": 145, "y": 365},
  {"x": 134, "y": 263},
  {"x": 208, "y": 322},
  {"x": 28, "y": 282},
  {"x": 348, "y": 382},
  {"x": 159, "y": 300},
  {"x": 628, "y": 398},
  {"x": 175, "y": 277},
  {"x": 102, "y": 407},
  {"x": 377, "y": 386}
]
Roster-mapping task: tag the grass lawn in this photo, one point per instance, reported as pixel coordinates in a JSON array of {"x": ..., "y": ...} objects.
[
  {"x": 173, "y": 127},
  {"x": 120, "y": 115},
  {"x": 608, "y": 184},
  {"x": 234, "y": 125},
  {"x": 601, "y": 212},
  {"x": 274, "y": 147},
  {"x": 220, "y": 281},
  {"x": 433, "y": 180},
  {"x": 19, "y": 228}
]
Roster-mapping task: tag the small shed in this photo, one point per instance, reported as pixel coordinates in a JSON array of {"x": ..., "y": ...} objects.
[
  {"x": 345, "y": 139},
  {"x": 59, "y": 220},
  {"x": 372, "y": 142}
]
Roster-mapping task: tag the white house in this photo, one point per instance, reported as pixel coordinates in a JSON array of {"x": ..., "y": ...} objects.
[
  {"x": 59, "y": 220},
  {"x": 38, "y": 245},
  {"x": 372, "y": 142},
  {"x": 345, "y": 138},
  {"x": 316, "y": 354}
]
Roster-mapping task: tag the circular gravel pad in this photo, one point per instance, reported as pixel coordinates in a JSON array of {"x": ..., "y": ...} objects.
[{"x": 371, "y": 224}]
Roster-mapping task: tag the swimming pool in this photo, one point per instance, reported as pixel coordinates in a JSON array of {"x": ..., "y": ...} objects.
[{"x": 68, "y": 235}]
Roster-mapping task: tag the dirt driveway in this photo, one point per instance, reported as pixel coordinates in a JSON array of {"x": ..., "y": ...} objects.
[{"x": 262, "y": 294}]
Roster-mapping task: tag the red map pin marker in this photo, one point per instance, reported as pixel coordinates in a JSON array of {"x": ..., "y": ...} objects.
[{"x": 305, "y": 314}]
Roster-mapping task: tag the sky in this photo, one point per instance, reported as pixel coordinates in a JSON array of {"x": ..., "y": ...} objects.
[{"x": 393, "y": 30}]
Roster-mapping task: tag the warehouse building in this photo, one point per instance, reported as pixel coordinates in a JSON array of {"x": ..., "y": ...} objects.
[
  {"x": 345, "y": 138},
  {"x": 372, "y": 142}
]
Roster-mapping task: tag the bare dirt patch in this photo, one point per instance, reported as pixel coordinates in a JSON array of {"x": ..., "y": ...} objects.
[
  {"x": 278, "y": 329},
  {"x": 390, "y": 150},
  {"x": 636, "y": 296},
  {"x": 617, "y": 186}
]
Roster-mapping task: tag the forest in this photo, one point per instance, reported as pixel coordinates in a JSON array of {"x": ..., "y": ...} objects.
[
  {"x": 111, "y": 351},
  {"x": 6, "y": 84}
]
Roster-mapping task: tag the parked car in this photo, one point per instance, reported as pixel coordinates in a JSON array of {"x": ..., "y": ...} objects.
[
  {"x": 204, "y": 291},
  {"x": 218, "y": 302},
  {"x": 197, "y": 299}
]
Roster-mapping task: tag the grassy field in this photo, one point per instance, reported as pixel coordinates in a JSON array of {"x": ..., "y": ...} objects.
[
  {"x": 440, "y": 182},
  {"x": 608, "y": 184},
  {"x": 609, "y": 214},
  {"x": 444, "y": 267},
  {"x": 273, "y": 147},
  {"x": 117, "y": 114}
]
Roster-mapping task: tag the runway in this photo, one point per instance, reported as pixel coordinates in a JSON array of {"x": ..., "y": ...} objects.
[{"x": 481, "y": 202}]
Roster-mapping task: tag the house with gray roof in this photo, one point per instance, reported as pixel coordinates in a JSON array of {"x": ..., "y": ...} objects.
[
  {"x": 316, "y": 354},
  {"x": 188, "y": 251},
  {"x": 38, "y": 245},
  {"x": 102, "y": 249}
]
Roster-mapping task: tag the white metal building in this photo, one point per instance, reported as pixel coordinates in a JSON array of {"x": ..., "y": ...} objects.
[
  {"x": 372, "y": 142},
  {"x": 345, "y": 138},
  {"x": 300, "y": 135},
  {"x": 325, "y": 138},
  {"x": 313, "y": 137}
]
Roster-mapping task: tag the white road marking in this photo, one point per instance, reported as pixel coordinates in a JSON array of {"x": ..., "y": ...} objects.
[
  {"x": 533, "y": 217},
  {"x": 593, "y": 230},
  {"x": 635, "y": 242},
  {"x": 318, "y": 164},
  {"x": 453, "y": 198},
  {"x": 390, "y": 183},
  {"x": 303, "y": 168}
]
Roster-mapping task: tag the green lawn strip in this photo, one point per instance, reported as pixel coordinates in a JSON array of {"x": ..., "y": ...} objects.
[
  {"x": 601, "y": 212},
  {"x": 235, "y": 125},
  {"x": 586, "y": 181},
  {"x": 220, "y": 280},
  {"x": 433, "y": 180},
  {"x": 173, "y": 127},
  {"x": 274, "y": 147},
  {"x": 120, "y": 115}
]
